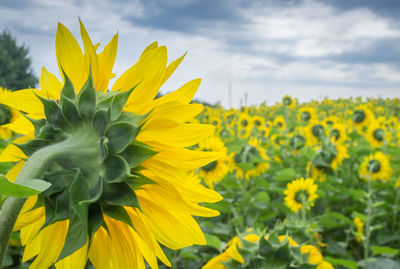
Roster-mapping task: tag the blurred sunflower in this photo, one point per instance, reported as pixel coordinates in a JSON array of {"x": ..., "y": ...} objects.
[
  {"x": 244, "y": 125},
  {"x": 307, "y": 114},
  {"x": 359, "y": 228},
  {"x": 377, "y": 134},
  {"x": 215, "y": 171},
  {"x": 337, "y": 133},
  {"x": 300, "y": 193},
  {"x": 7, "y": 116},
  {"x": 123, "y": 187},
  {"x": 279, "y": 123},
  {"x": 288, "y": 101},
  {"x": 315, "y": 132},
  {"x": 376, "y": 166},
  {"x": 258, "y": 122},
  {"x": 362, "y": 116}
]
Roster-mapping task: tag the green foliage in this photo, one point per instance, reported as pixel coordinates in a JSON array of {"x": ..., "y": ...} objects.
[{"x": 15, "y": 64}]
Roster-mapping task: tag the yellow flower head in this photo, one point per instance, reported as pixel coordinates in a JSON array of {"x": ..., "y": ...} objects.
[
  {"x": 300, "y": 193},
  {"x": 129, "y": 190},
  {"x": 376, "y": 166},
  {"x": 288, "y": 101},
  {"x": 307, "y": 114},
  {"x": 377, "y": 134},
  {"x": 8, "y": 115},
  {"x": 362, "y": 116},
  {"x": 279, "y": 123},
  {"x": 359, "y": 227}
]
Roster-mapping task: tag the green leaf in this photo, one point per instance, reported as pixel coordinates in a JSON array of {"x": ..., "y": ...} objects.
[
  {"x": 120, "y": 135},
  {"x": 56, "y": 208},
  {"x": 116, "y": 169},
  {"x": 119, "y": 194},
  {"x": 79, "y": 192},
  {"x": 246, "y": 166},
  {"x": 213, "y": 241},
  {"x": 283, "y": 252},
  {"x": 377, "y": 250},
  {"x": 87, "y": 99},
  {"x": 136, "y": 153},
  {"x": 262, "y": 200},
  {"x": 22, "y": 190},
  {"x": 286, "y": 174}
]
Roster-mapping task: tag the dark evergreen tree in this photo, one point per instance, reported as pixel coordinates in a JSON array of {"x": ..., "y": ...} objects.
[{"x": 15, "y": 64}]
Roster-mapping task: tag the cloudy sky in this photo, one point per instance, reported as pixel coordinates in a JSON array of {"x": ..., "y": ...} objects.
[{"x": 309, "y": 49}]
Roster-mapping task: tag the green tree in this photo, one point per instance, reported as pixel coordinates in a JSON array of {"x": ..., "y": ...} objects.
[{"x": 15, "y": 64}]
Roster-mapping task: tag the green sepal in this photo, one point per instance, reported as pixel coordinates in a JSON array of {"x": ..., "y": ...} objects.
[
  {"x": 119, "y": 194},
  {"x": 56, "y": 208},
  {"x": 68, "y": 89},
  {"x": 135, "y": 181},
  {"x": 100, "y": 121},
  {"x": 103, "y": 148},
  {"x": 116, "y": 168},
  {"x": 28, "y": 188},
  {"x": 95, "y": 192},
  {"x": 33, "y": 145},
  {"x": 118, "y": 102},
  {"x": 37, "y": 124},
  {"x": 117, "y": 212},
  {"x": 121, "y": 134},
  {"x": 132, "y": 118},
  {"x": 77, "y": 233},
  {"x": 266, "y": 250},
  {"x": 95, "y": 219},
  {"x": 51, "y": 132},
  {"x": 39, "y": 202},
  {"x": 70, "y": 111},
  {"x": 283, "y": 252},
  {"x": 53, "y": 113},
  {"x": 87, "y": 99},
  {"x": 76, "y": 238},
  {"x": 136, "y": 153}
]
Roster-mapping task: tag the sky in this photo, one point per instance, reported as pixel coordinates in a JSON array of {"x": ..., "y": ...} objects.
[{"x": 264, "y": 49}]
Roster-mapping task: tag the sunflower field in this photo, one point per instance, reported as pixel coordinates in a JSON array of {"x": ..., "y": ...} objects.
[{"x": 100, "y": 176}]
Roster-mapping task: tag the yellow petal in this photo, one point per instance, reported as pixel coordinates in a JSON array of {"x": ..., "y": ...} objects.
[
  {"x": 172, "y": 67},
  {"x": 70, "y": 57},
  {"x": 23, "y": 100},
  {"x": 106, "y": 64},
  {"x": 50, "y": 84},
  {"x": 184, "y": 94}
]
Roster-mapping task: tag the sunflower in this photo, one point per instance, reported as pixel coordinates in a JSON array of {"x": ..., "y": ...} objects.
[
  {"x": 359, "y": 227},
  {"x": 258, "y": 122},
  {"x": 362, "y": 116},
  {"x": 307, "y": 114},
  {"x": 121, "y": 163},
  {"x": 288, "y": 101},
  {"x": 279, "y": 123},
  {"x": 376, "y": 166},
  {"x": 251, "y": 161},
  {"x": 337, "y": 133},
  {"x": 244, "y": 125},
  {"x": 315, "y": 132},
  {"x": 215, "y": 171},
  {"x": 300, "y": 191},
  {"x": 377, "y": 134},
  {"x": 7, "y": 116}
]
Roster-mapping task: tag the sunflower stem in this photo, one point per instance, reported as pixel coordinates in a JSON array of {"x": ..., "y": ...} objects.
[
  {"x": 303, "y": 209},
  {"x": 368, "y": 223}
]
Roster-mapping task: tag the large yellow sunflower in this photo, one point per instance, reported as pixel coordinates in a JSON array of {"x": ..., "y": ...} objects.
[
  {"x": 376, "y": 166},
  {"x": 300, "y": 193},
  {"x": 377, "y": 134},
  {"x": 122, "y": 187}
]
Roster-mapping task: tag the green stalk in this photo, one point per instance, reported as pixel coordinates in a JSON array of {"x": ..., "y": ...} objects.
[
  {"x": 80, "y": 146},
  {"x": 368, "y": 223}
]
